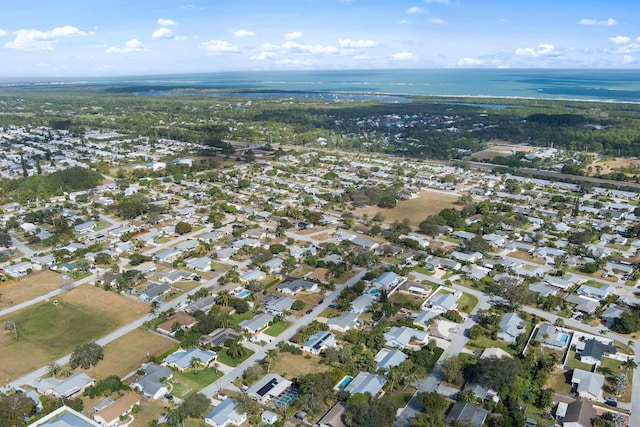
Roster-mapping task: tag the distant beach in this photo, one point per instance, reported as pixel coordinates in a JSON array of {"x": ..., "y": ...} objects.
[{"x": 580, "y": 85}]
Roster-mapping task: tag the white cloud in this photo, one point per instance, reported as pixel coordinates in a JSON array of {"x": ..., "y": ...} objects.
[
  {"x": 610, "y": 22},
  {"x": 162, "y": 33},
  {"x": 34, "y": 40},
  {"x": 403, "y": 22},
  {"x": 166, "y": 22},
  {"x": 218, "y": 47},
  {"x": 628, "y": 59},
  {"x": 630, "y": 48},
  {"x": 465, "y": 62},
  {"x": 538, "y": 51},
  {"x": 356, "y": 43},
  {"x": 262, "y": 56},
  {"x": 416, "y": 9},
  {"x": 2, "y": 33},
  {"x": 619, "y": 39},
  {"x": 244, "y": 33},
  {"x": 292, "y": 36},
  {"x": 181, "y": 38},
  {"x": 402, "y": 56},
  {"x": 131, "y": 46},
  {"x": 317, "y": 49},
  {"x": 294, "y": 62},
  {"x": 437, "y": 21}
]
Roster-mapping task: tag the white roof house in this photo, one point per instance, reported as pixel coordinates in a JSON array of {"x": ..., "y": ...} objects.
[
  {"x": 226, "y": 413},
  {"x": 401, "y": 337},
  {"x": 366, "y": 382},
  {"x": 269, "y": 387},
  {"x": 318, "y": 342}
]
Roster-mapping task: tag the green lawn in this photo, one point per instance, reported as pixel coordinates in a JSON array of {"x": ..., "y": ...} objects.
[
  {"x": 223, "y": 357},
  {"x": 189, "y": 382},
  {"x": 219, "y": 266},
  {"x": 161, "y": 240},
  {"x": 277, "y": 328},
  {"x": 486, "y": 342},
  {"x": 423, "y": 270},
  {"x": 575, "y": 363},
  {"x": 400, "y": 400},
  {"x": 467, "y": 302},
  {"x": 236, "y": 318},
  {"x": 101, "y": 225}
]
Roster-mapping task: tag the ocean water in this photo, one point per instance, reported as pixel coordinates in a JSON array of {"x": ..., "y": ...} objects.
[{"x": 597, "y": 85}]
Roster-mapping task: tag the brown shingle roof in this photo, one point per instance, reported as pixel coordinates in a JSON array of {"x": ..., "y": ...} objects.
[{"x": 117, "y": 408}]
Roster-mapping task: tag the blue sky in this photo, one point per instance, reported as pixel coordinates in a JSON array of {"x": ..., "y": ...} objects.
[{"x": 49, "y": 38}]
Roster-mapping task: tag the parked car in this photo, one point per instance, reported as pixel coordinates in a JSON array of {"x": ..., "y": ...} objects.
[{"x": 611, "y": 401}]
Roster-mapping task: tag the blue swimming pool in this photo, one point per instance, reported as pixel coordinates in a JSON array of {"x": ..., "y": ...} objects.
[
  {"x": 374, "y": 291},
  {"x": 564, "y": 338},
  {"x": 244, "y": 294},
  {"x": 344, "y": 382}
]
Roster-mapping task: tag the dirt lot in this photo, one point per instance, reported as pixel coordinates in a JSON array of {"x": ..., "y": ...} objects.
[
  {"x": 291, "y": 366},
  {"x": 52, "y": 329},
  {"x": 503, "y": 150},
  {"x": 30, "y": 287},
  {"x": 127, "y": 353},
  {"x": 416, "y": 210},
  {"x": 612, "y": 165}
]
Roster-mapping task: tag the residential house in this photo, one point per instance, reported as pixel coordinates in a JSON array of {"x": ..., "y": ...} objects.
[
  {"x": 64, "y": 417},
  {"x": 465, "y": 412},
  {"x": 18, "y": 270},
  {"x": 253, "y": 276},
  {"x": 445, "y": 301},
  {"x": 150, "y": 383},
  {"x": 388, "y": 279},
  {"x": 183, "y": 359},
  {"x": 552, "y": 336},
  {"x": 362, "y": 304},
  {"x": 366, "y": 382},
  {"x": 333, "y": 417},
  {"x": 154, "y": 292},
  {"x": 402, "y": 337},
  {"x": 277, "y": 304},
  {"x": 583, "y": 304},
  {"x": 388, "y": 358},
  {"x": 424, "y": 318},
  {"x": 577, "y": 414},
  {"x": 463, "y": 235},
  {"x": 596, "y": 293},
  {"x": 468, "y": 257},
  {"x": 202, "y": 304},
  {"x": 292, "y": 287},
  {"x": 218, "y": 337},
  {"x": 257, "y": 323},
  {"x": 269, "y": 388},
  {"x": 436, "y": 262},
  {"x": 587, "y": 384},
  {"x": 66, "y": 387},
  {"x": 511, "y": 326},
  {"x": 85, "y": 227},
  {"x": 226, "y": 413},
  {"x": 612, "y": 313},
  {"x": 543, "y": 289},
  {"x": 176, "y": 321},
  {"x": 168, "y": 255},
  {"x": 174, "y": 276},
  {"x": 202, "y": 264},
  {"x": 344, "y": 322},
  {"x": 269, "y": 418},
  {"x": 592, "y": 351},
  {"x": 318, "y": 342},
  {"x": 110, "y": 415},
  {"x": 273, "y": 266}
]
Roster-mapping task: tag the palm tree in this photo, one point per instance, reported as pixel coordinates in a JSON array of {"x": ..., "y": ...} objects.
[
  {"x": 630, "y": 344},
  {"x": 53, "y": 369},
  {"x": 223, "y": 298},
  {"x": 195, "y": 362},
  {"x": 271, "y": 356},
  {"x": 629, "y": 364}
]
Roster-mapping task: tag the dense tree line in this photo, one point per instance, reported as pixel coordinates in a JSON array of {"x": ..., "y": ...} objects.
[{"x": 45, "y": 186}]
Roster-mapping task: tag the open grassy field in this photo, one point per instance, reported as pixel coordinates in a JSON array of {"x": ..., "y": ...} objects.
[
  {"x": 291, "y": 366},
  {"x": 53, "y": 329},
  {"x": 277, "y": 328},
  {"x": 32, "y": 286},
  {"x": 416, "y": 210},
  {"x": 500, "y": 150},
  {"x": 187, "y": 383},
  {"x": 127, "y": 353},
  {"x": 149, "y": 411}
]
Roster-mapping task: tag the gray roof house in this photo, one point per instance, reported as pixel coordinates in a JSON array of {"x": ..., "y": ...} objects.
[
  {"x": 200, "y": 264},
  {"x": 388, "y": 279},
  {"x": 362, "y": 304},
  {"x": 401, "y": 337},
  {"x": 277, "y": 304},
  {"x": 154, "y": 292},
  {"x": 366, "y": 382},
  {"x": 388, "y": 358},
  {"x": 344, "y": 322},
  {"x": 587, "y": 384},
  {"x": 269, "y": 387},
  {"x": 318, "y": 342},
  {"x": 66, "y": 387},
  {"x": 445, "y": 302},
  {"x": 64, "y": 417},
  {"x": 150, "y": 384},
  {"x": 292, "y": 287},
  {"x": 226, "y": 413},
  {"x": 511, "y": 326},
  {"x": 257, "y": 323},
  {"x": 181, "y": 359},
  {"x": 174, "y": 276},
  {"x": 466, "y": 412},
  {"x": 594, "y": 350},
  {"x": 552, "y": 336}
]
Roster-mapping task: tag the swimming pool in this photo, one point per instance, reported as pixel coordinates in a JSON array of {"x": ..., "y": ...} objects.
[
  {"x": 564, "y": 338},
  {"x": 344, "y": 382},
  {"x": 374, "y": 291},
  {"x": 243, "y": 294}
]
